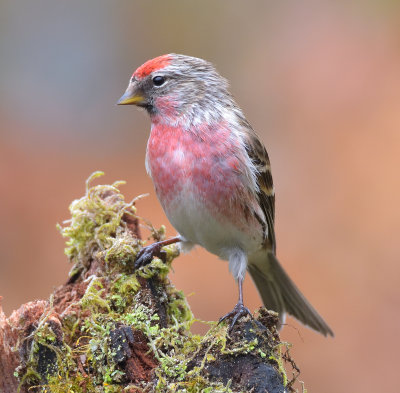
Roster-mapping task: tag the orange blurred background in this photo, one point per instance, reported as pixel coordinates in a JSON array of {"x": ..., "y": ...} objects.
[{"x": 319, "y": 82}]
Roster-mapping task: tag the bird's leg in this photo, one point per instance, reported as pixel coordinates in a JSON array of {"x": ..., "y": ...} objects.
[
  {"x": 239, "y": 310},
  {"x": 146, "y": 254}
]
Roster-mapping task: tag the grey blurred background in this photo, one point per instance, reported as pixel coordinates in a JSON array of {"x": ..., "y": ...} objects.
[{"x": 319, "y": 81}]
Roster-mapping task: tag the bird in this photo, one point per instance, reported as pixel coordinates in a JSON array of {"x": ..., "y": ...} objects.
[{"x": 212, "y": 176}]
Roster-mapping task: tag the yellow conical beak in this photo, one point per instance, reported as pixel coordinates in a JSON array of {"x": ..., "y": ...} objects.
[{"x": 132, "y": 97}]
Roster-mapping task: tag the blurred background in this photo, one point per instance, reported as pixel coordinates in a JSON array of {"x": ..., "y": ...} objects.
[{"x": 319, "y": 81}]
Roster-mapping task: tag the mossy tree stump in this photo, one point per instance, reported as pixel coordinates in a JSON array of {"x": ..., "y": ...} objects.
[{"x": 110, "y": 329}]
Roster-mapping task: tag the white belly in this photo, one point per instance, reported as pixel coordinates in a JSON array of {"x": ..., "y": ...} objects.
[{"x": 200, "y": 225}]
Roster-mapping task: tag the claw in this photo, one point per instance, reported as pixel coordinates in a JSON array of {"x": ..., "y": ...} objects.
[
  {"x": 240, "y": 310},
  {"x": 146, "y": 255}
]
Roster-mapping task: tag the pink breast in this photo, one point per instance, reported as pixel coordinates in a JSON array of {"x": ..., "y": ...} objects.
[{"x": 205, "y": 163}]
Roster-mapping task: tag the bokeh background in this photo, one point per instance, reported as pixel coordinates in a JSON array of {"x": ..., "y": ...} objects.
[{"x": 319, "y": 81}]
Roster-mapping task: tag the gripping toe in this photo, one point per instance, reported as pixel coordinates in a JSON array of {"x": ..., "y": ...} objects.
[
  {"x": 146, "y": 255},
  {"x": 240, "y": 310}
]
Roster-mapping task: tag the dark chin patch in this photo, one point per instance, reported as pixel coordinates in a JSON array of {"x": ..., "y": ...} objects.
[
  {"x": 145, "y": 105},
  {"x": 149, "y": 108}
]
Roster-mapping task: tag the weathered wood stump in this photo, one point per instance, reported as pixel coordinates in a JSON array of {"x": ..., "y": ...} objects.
[{"x": 110, "y": 329}]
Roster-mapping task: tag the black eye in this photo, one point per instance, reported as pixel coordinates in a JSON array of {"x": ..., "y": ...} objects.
[{"x": 158, "y": 80}]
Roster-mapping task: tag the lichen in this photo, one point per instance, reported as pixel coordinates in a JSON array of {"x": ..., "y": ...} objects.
[
  {"x": 96, "y": 228},
  {"x": 119, "y": 314}
]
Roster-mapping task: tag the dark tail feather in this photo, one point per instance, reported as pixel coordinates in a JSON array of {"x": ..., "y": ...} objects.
[{"x": 280, "y": 294}]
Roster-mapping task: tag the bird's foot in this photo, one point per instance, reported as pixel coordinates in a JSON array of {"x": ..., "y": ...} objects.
[
  {"x": 147, "y": 253},
  {"x": 240, "y": 310}
]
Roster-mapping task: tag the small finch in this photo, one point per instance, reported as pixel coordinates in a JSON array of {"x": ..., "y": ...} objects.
[{"x": 212, "y": 176}]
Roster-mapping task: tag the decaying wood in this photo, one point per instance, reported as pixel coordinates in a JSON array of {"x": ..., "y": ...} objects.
[{"x": 51, "y": 345}]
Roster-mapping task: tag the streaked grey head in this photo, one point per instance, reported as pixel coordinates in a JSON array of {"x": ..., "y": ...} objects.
[{"x": 178, "y": 85}]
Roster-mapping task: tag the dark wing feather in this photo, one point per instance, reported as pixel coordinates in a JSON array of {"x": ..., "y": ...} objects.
[{"x": 266, "y": 195}]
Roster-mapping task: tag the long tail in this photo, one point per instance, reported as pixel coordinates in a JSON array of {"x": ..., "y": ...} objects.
[{"x": 279, "y": 293}]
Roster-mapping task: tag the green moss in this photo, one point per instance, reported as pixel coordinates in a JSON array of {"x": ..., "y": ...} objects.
[
  {"x": 276, "y": 356},
  {"x": 178, "y": 308},
  {"x": 44, "y": 355},
  {"x": 114, "y": 296},
  {"x": 96, "y": 226},
  {"x": 92, "y": 298}
]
